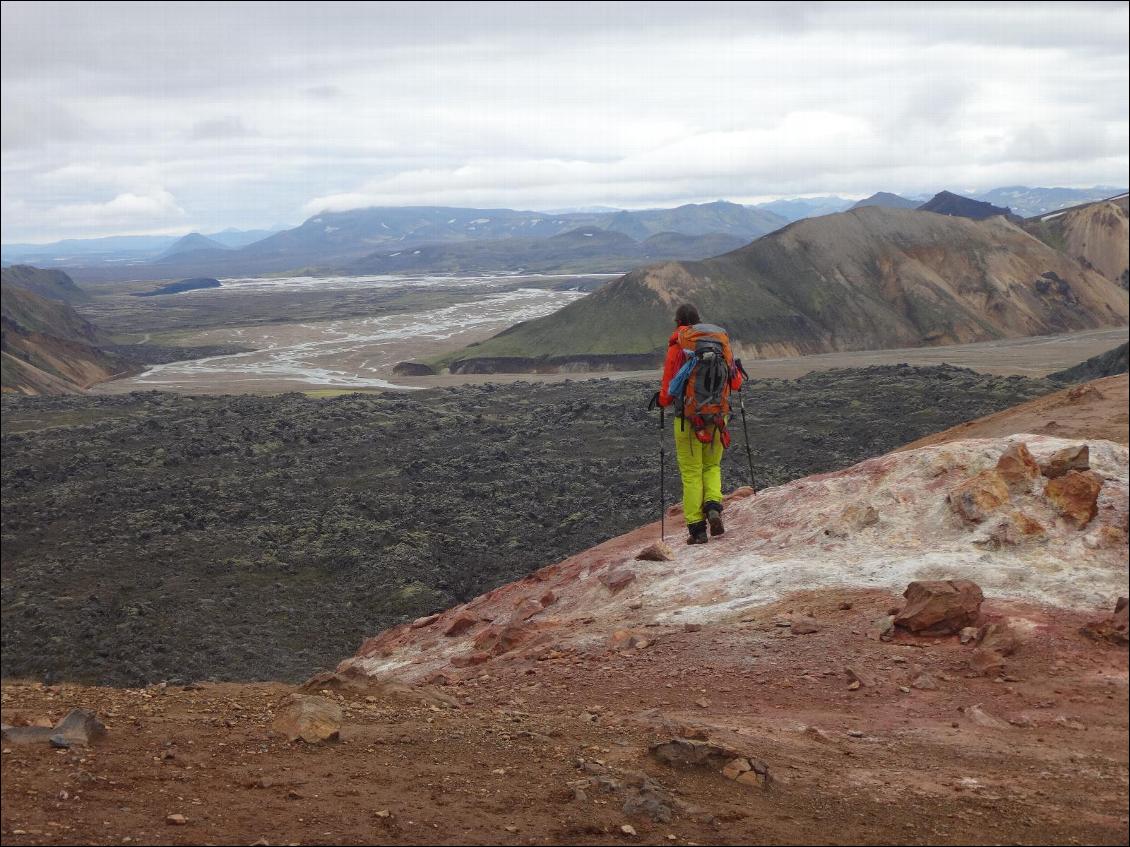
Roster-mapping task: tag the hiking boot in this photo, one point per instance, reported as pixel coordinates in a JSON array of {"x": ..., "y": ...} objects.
[
  {"x": 714, "y": 517},
  {"x": 697, "y": 533}
]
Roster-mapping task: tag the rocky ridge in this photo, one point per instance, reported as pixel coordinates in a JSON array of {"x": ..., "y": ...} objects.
[{"x": 970, "y": 509}]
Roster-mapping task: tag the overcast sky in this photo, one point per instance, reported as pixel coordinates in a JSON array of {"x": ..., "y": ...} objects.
[{"x": 150, "y": 117}]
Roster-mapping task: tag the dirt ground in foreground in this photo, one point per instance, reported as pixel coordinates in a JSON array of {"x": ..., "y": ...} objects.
[{"x": 556, "y": 751}]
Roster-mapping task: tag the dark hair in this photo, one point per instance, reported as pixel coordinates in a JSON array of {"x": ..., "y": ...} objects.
[{"x": 687, "y": 315}]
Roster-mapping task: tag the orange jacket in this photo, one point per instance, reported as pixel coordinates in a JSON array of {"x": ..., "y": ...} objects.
[{"x": 676, "y": 356}]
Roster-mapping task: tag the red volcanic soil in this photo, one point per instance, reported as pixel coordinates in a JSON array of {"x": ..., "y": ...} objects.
[{"x": 556, "y": 749}]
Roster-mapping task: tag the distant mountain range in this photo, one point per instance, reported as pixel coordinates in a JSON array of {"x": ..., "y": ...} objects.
[
  {"x": 119, "y": 249},
  {"x": 1029, "y": 202},
  {"x": 331, "y": 241},
  {"x": 797, "y": 208},
  {"x": 869, "y": 278},
  {"x": 582, "y": 250}
]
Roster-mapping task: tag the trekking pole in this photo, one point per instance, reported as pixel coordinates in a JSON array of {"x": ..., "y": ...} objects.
[
  {"x": 662, "y": 469},
  {"x": 745, "y": 431}
]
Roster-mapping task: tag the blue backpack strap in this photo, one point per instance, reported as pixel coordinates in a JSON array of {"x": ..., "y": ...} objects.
[{"x": 678, "y": 382}]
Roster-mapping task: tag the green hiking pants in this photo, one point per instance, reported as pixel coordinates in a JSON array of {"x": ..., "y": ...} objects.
[{"x": 700, "y": 466}]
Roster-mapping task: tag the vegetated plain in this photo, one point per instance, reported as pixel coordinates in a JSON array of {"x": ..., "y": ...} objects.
[{"x": 157, "y": 537}]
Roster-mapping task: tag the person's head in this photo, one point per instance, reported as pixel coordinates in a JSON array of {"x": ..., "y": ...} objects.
[{"x": 687, "y": 315}]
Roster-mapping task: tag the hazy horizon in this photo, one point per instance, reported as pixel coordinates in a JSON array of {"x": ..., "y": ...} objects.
[{"x": 171, "y": 118}]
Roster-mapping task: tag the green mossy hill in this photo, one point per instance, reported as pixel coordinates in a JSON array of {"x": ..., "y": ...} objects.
[
  {"x": 871, "y": 278},
  {"x": 151, "y": 537},
  {"x": 52, "y": 284}
]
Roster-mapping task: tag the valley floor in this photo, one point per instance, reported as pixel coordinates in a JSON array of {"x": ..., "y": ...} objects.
[
  {"x": 557, "y": 751},
  {"x": 367, "y": 364}
]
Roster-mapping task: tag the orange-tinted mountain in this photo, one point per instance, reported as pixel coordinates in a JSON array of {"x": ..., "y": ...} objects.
[{"x": 870, "y": 278}]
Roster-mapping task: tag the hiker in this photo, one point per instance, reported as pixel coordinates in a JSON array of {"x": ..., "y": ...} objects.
[{"x": 698, "y": 375}]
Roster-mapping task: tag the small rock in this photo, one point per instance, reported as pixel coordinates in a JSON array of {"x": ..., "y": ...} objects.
[
  {"x": 420, "y": 623},
  {"x": 924, "y": 682},
  {"x": 308, "y": 718},
  {"x": 968, "y": 633},
  {"x": 660, "y": 551},
  {"x": 982, "y": 718},
  {"x": 628, "y": 829},
  {"x": 804, "y": 626},
  {"x": 1067, "y": 722},
  {"x": 617, "y": 579},
  {"x": 855, "y": 678},
  {"x": 999, "y": 636},
  {"x": 845, "y": 606},
  {"x": 176, "y": 820},
  {"x": 736, "y": 768},
  {"x": 1068, "y": 459},
  {"x": 692, "y": 627},
  {"x": 883, "y": 628},
  {"x": 986, "y": 662},
  {"x": 855, "y": 733}
]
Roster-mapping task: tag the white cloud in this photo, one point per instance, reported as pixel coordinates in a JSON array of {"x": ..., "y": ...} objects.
[
  {"x": 250, "y": 117},
  {"x": 133, "y": 212}
]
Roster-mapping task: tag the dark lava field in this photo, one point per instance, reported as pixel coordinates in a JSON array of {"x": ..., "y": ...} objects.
[{"x": 151, "y": 536}]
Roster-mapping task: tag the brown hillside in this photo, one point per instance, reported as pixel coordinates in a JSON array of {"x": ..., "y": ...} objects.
[
  {"x": 1098, "y": 236},
  {"x": 871, "y": 278},
  {"x": 1093, "y": 410},
  {"x": 48, "y": 348}
]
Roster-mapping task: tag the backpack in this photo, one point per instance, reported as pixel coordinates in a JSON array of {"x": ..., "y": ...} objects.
[{"x": 701, "y": 387}]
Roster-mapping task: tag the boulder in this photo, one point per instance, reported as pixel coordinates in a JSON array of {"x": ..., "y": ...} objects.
[
  {"x": 978, "y": 497},
  {"x": 309, "y": 718},
  {"x": 1017, "y": 467},
  {"x": 1076, "y": 458},
  {"x": 940, "y": 607},
  {"x": 1075, "y": 496}
]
